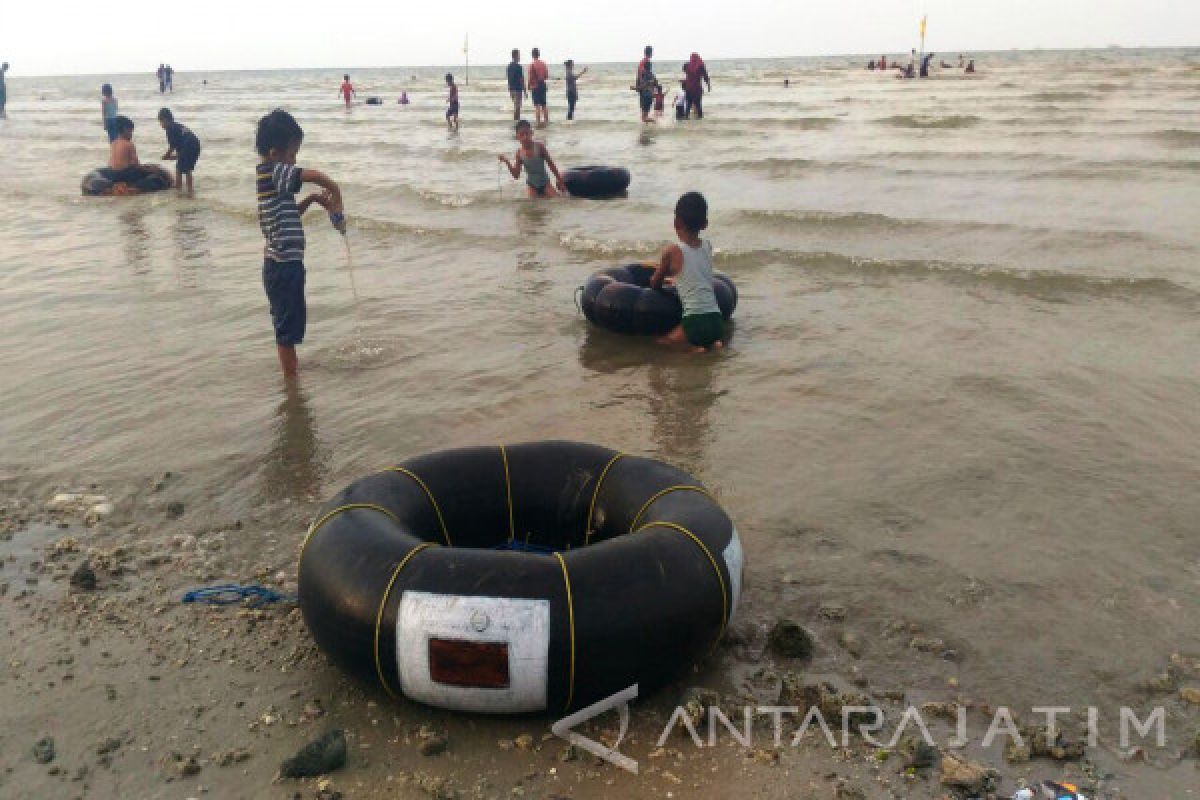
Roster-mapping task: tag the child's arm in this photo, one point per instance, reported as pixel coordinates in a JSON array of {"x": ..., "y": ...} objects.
[
  {"x": 558, "y": 181},
  {"x": 334, "y": 204},
  {"x": 667, "y": 265},
  {"x": 320, "y": 198},
  {"x": 514, "y": 167}
]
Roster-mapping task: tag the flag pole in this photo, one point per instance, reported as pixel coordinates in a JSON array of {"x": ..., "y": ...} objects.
[
  {"x": 924, "y": 18},
  {"x": 467, "y": 56}
]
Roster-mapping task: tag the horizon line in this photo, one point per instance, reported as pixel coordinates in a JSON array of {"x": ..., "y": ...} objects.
[{"x": 149, "y": 71}]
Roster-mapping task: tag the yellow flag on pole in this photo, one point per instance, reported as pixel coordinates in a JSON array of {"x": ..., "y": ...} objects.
[{"x": 923, "y": 25}]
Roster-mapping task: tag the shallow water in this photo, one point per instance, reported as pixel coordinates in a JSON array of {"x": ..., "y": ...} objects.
[{"x": 962, "y": 387}]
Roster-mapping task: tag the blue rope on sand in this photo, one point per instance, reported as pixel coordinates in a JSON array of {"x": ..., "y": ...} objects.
[{"x": 225, "y": 594}]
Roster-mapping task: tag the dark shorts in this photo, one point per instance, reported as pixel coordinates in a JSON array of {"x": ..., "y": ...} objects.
[
  {"x": 110, "y": 127},
  {"x": 284, "y": 282},
  {"x": 646, "y": 101},
  {"x": 538, "y": 95},
  {"x": 704, "y": 330},
  {"x": 540, "y": 191},
  {"x": 187, "y": 156},
  {"x": 452, "y": 110}
]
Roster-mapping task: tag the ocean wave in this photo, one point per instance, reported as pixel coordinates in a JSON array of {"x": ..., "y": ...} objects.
[
  {"x": 929, "y": 121},
  {"x": 771, "y": 165},
  {"x": 1043, "y": 283},
  {"x": 869, "y": 222},
  {"x": 1060, "y": 96},
  {"x": 1177, "y": 136}
]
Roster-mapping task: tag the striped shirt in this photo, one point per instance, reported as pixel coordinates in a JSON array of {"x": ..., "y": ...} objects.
[{"x": 278, "y": 215}]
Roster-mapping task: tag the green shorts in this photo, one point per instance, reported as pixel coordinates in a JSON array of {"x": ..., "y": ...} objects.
[{"x": 703, "y": 330}]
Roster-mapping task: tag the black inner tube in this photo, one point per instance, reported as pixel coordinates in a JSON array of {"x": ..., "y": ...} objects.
[
  {"x": 596, "y": 181},
  {"x": 630, "y": 557},
  {"x": 620, "y": 299}
]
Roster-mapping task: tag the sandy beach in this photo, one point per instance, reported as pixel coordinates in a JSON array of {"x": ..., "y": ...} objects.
[{"x": 955, "y": 425}]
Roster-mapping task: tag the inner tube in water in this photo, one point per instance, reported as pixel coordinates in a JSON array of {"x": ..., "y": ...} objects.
[
  {"x": 620, "y": 299},
  {"x": 537, "y": 577},
  {"x": 596, "y": 181},
  {"x": 105, "y": 182}
]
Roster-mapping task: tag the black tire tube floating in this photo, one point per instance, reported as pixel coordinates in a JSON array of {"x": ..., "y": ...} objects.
[
  {"x": 620, "y": 299},
  {"x": 399, "y": 581},
  {"x": 594, "y": 182},
  {"x": 142, "y": 179}
]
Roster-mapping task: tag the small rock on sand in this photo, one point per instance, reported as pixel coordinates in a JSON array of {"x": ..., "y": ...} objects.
[
  {"x": 43, "y": 750},
  {"x": 317, "y": 757},
  {"x": 959, "y": 773},
  {"x": 1190, "y": 694},
  {"x": 434, "y": 744},
  {"x": 790, "y": 640},
  {"x": 84, "y": 577},
  {"x": 832, "y": 612},
  {"x": 175, "y": 509}
]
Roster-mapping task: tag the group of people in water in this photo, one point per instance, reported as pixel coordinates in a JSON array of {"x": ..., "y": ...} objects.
[
  {"x": 687, "y": 264},
  {"x": 166, "y": 78},
  {"x": 918, "y": 66}
]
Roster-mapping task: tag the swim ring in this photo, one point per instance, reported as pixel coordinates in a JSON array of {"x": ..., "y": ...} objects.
[
  {"x": 596, "y": 181},
  {"x": 105, "y": 182},
  {"x": 536, "y": 577},
  {"x": 620, "y": 299}
]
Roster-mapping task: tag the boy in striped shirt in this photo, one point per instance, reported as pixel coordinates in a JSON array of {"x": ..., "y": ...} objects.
[{"x": 278, "y": 179}]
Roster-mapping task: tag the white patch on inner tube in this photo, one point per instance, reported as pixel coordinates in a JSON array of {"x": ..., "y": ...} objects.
[
  {"x": 522, "y": 624},
  {"x": 734, "y": 560}
]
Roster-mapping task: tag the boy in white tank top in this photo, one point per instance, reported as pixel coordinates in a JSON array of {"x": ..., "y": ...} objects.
[{"x": 688, "y": 265}]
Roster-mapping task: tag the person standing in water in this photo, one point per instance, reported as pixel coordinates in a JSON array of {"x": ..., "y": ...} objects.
[
  {"x": 183, "y": 147},
  {"x": 694, "y": 74},
  {"x": 644, "y": 83},
  {"x": 516, "y": 83},
  {"x": 108, "y": 111},
  {"x": 161, "y": 74},
  {"x": 538, "y": 74},
  {"x": 3, "y": 90},
  {"x": 534, "y": 158},
  {"x": 451, "y": 103},
  {"x": 169, "y": 73},
  {"x": 925, "y": 62},
  {"x": 347, "y": 90},
  {"x": 571, "y": 77},
  {"x": 278, "y": 179}
]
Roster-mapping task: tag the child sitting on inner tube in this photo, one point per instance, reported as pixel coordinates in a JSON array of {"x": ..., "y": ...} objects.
[
  {"x": 688, "y": 265},
  {"x": 534, "y": 158}
]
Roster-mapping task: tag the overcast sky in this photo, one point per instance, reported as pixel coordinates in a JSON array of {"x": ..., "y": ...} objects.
[{"x": 43, "y": 37}]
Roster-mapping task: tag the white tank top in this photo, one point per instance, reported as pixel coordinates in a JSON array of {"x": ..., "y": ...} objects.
[{"x": 695, "y": 281}]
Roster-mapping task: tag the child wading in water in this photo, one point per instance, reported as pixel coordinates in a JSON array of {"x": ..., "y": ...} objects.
[
  {"x": 689, "y": 266},
  {"x": 108, "y": 111},
  {"x": 452, "y": 103},
  {"x": 278, "y": 179},
  {"x": 182, "y": 145},
  {"x": 533, "y": 156},
  {"x": 347, "y": 90}
]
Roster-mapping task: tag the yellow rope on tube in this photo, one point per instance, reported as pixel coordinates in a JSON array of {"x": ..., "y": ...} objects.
[
  {"x": 432, "y": 500},
  {"x": 316, "y": 526},
  {"x": 587, "y": 534},
  {"x": 512, "y": 530},
  {"x": 571, "y": 618},
  {"x": 646, "y": 506},
  {"x": 711, "y": 560},
  {"x": 383, "y": 604}
]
